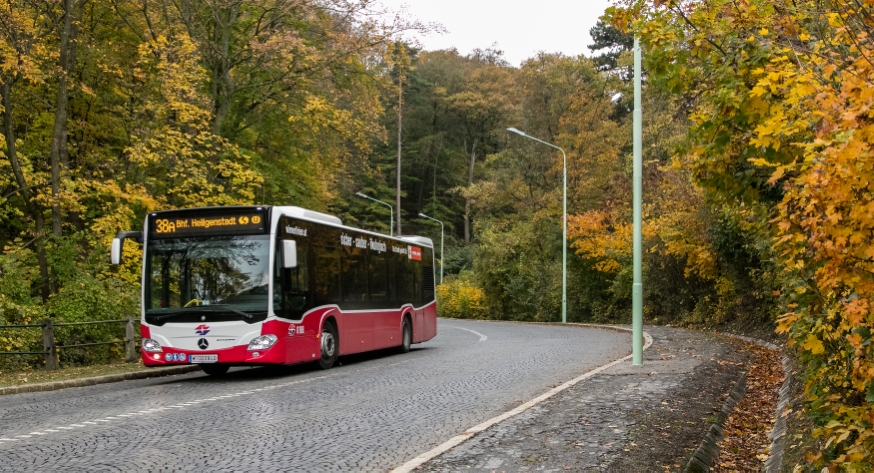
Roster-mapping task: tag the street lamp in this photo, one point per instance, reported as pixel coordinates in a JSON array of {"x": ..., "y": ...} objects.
[
  {"x": 390, "y": 209},
  {"x": 441, "y": 242},
  {"x": 637, "y": 179},
  {"x": 563, "y": 226}
]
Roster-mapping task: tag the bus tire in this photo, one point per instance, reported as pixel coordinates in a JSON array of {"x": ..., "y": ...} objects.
[
  {"x": 330, "y": 346},
  {"x": 215, "y": 370},
  {"x": 406, "y": 336}
]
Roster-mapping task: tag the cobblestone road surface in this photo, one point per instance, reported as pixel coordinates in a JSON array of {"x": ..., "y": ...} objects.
[
  {"x": 371, "y": 414},
  {"x": 626, "y": 419}
]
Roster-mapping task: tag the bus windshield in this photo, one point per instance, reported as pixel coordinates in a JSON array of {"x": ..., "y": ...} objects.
[{"x": 207, "y": 279}]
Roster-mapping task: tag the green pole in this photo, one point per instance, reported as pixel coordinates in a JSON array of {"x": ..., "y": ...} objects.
[
  {"x": 637, "y": 287},
  {"x": 563, "y": 224},
  {"x": 391, "y": 210},
  {"x": 441, "y": 242}
]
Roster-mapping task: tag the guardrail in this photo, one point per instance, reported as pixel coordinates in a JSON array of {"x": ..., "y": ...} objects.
[{"x": 50, "y": 348}]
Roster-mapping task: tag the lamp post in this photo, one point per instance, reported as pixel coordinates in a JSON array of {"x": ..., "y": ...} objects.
[
  {"x": 441, "y": 242},
  {"x": 390, "y": 209},
  {"x": 637, "y": 177},
  {"x": 563, "y": 225}
]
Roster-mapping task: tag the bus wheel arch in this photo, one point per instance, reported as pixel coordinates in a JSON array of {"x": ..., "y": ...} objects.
[{"x": 329, "y": 343}]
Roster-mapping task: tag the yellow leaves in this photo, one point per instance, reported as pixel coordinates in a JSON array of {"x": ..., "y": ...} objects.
[
  {"x": 813, "y": 345},
  {"x": 763, "y": 31}
]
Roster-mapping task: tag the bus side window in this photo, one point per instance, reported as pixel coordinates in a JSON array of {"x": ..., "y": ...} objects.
[
  {"x": 406, "y": 278},
  {"x": 392, "y": 277},
  {"x": 296, "y": 294},
  {"x": 354, "y": 275},
  {"x": 427, "y": 275},
  {"x": 378, "y": 282},
  {"x": 327, "y": 273}
]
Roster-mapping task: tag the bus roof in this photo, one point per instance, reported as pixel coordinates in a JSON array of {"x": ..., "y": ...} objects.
[
  {"x": 310, "y": 215},
  {"x": 305, "y": 214}
]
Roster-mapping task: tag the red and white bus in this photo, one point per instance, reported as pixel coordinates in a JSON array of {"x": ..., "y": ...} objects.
[{"x": 227, "y": 286}]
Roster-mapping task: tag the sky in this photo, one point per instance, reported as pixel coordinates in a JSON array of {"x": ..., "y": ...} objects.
[{"x": 520, "y": 29}]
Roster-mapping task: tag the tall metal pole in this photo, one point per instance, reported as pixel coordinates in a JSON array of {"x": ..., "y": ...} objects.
[
  {"x": 563, "y": 224},
  {"x": 637, "y": 287},
  {"x": 390, "y": 209},
  {"x": 441, "y": 242},
  {"x": 400, "y": 121}
]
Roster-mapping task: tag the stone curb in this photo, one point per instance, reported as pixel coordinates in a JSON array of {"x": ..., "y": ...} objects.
[
  {"x": 702, "y": 459},
  {"x": 111, "y": 378}
]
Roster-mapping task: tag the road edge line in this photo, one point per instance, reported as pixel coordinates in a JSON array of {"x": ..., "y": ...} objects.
[
  {"x": 467, "y": 434},
  {"x": 110, "y": 378}
]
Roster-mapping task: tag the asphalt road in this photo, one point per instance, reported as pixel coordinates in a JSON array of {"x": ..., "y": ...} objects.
[{"x": 372, "y": 413}]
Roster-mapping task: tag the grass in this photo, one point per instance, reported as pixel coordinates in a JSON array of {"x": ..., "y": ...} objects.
[{"x": 21, "y": 378}]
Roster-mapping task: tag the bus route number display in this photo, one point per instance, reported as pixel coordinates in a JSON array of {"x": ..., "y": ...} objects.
[{"x": 164, "y": 226}]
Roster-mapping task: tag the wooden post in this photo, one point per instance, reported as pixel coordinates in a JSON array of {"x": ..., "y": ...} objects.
[
  {"x": 48, "y": 341},
  {"x": 130, "y": 347}
]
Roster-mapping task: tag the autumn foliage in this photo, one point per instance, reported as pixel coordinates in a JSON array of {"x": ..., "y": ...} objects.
[{"x": 780, "y": 101}]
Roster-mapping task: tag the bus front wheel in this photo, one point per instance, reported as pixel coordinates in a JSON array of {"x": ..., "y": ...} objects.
[{"x": 330, "y": 346}]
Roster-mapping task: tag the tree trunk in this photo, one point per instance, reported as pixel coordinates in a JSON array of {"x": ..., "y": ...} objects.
[
  {"x": 223, "y": 88},
  {"x": 59, "y": 133},
  {"x": 27, "y": 194},
  {"x": 467, "y": 200},
  {"x": 400, "y": 122}
]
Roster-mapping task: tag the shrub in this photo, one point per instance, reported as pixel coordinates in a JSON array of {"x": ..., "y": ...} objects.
[{"x": 460, "y": 298}]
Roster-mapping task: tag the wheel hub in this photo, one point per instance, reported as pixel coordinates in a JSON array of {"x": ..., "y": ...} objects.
[{"x": 328, "y": 344}]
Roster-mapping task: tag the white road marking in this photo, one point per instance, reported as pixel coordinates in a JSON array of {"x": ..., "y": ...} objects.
[
  {"x": 50, "y": 430},
  {"x": 461, "y": 438},
  {"x": 66, "y": 428},
  {"x": 38, "y": 433},
  {"x": 9, "y": 440},
  {"x": 76, "y": 425},
  {"x": 23, "y": 436},
  {"x": 482, "y": 337}
]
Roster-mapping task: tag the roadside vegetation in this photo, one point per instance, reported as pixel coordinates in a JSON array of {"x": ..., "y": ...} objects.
[{"x": 758, "y": 204}]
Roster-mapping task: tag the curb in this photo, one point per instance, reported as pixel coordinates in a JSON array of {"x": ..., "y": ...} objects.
[
  {"x": 467, "y": 434},
  {"x": 707, "y": 451},
  {"x": 111, "y": 378}
]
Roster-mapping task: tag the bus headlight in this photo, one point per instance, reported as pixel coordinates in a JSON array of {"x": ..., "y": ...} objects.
[
  {"x": 151, "y": 346},
  {"x": 263, "y": 342}
]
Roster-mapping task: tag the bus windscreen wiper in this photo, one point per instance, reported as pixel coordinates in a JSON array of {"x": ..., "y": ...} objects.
[
  {"x": 158, "y": 318},
  {"x": 247, "y": 316}
]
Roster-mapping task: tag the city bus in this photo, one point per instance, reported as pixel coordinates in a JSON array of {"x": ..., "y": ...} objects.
[{"x": 276, "y": 285}]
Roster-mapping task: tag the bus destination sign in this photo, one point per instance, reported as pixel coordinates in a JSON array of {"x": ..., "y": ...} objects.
[{"x": 234, "y": 221}]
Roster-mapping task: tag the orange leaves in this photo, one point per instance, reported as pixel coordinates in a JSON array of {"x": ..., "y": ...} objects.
[{"x": 598, "y": 235}]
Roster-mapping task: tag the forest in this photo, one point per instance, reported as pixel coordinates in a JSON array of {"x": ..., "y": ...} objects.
[{"x": 758, "y": 197}]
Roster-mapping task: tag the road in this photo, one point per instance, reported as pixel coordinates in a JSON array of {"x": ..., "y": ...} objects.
[{"x": 372, "y": 413}]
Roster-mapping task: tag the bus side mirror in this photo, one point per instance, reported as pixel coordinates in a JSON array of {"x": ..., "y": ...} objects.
[
  {"x": 289, "y": 254},
  {"x": 118, "y": 245},
  {"x": 115, "y": 254}
]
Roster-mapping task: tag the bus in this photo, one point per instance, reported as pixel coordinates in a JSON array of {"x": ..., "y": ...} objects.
[{"x": 276, "y": 285}]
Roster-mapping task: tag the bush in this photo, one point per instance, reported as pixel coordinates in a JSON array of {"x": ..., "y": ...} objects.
[{"x": 460, "y": 298}]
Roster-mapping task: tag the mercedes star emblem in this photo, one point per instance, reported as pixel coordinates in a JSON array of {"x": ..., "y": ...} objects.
[{"x": 203, "y": 344}]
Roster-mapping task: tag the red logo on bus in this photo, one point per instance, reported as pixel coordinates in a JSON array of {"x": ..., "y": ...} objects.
[{"x": 415, "y": 253}]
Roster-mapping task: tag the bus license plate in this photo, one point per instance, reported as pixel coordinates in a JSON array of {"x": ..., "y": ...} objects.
[{"x": 202, "y": 358}]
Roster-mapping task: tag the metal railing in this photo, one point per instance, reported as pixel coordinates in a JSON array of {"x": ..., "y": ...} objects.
[{"x": 50, "y": 347}]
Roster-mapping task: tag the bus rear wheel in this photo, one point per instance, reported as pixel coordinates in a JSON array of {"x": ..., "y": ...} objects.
[
  {"x": 215, "y": 370},
  {"x": 406, "y": 336},
  {"x": 330, "y": 346}
]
